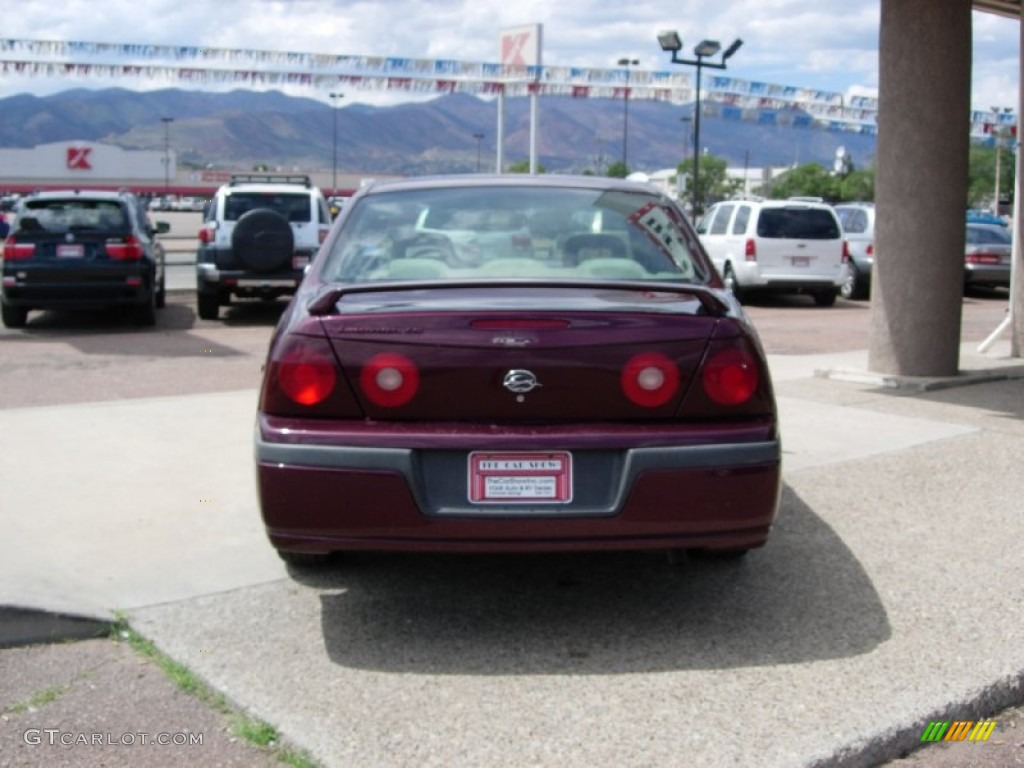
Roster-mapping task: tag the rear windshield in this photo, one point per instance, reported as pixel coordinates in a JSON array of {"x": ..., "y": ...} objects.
[
  {"x": 797, "y": 223},
  {"x": 514, "y": 232},
  {"x": 294, "y": 207},
  {"x": 987, "y": 236},
  {"x": 72, "y": 215}
]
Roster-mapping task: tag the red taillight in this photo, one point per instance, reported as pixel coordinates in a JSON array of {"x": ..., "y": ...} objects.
[
  {"x": 846, "y": 253},
  {"x": 13, "y": 251},
  {"x": 389, "y": 380},
  {"x": 870, "y": 250},
  {"x": 206, "y": 235},
  {"x": 750, "y": 250},
  {"x": 126, "y": 249},
  {"x": 306, "y": 376},
  {"x": 730, "y": 377},
  {"x": 983, "y": 258},
  {"x": 650, "y": 379}
]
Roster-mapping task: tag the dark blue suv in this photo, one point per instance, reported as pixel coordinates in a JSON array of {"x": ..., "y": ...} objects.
[{"x": 82, "y": 249}]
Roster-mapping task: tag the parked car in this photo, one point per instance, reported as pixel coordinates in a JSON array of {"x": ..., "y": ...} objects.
[
  {"x": 858, "y": 223},
  {"x": 596, "y": 388},
  {"x": 82, "y": 249},
  {"x": 988, "y": 259},
  {"x": 782, "y": 246},
  {"x": 259, "y": 234},
  {"x": 980, "y": 216}
]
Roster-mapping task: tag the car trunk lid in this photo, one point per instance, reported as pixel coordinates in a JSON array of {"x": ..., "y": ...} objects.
[{"x": 526, "y": 354}]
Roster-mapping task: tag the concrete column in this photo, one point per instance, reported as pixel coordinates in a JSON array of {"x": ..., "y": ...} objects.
[
  {"x": 920, "y": 187},
  {"x": 1017, "y": 293}
]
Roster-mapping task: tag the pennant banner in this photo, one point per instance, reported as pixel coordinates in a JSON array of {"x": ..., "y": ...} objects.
[{"x": 731, "y": 98}]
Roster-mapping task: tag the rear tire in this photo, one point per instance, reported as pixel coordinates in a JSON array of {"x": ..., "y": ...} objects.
[
  {"x": 720, "y": 555},
  {"x": 825, "y": 298},
  {"x": 14, "y": 317},
  {"x": 305, "y": 559},
  {"x": 145, "y": 313},
  {"x": 731, "y": 284},
  {"x": 208, "y": 305},
  {"x": 161, "y": 293},
  {"x": 853, "y": 285}
]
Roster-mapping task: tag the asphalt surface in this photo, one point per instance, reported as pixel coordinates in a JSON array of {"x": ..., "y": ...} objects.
[{"x": 890, "y": 595}]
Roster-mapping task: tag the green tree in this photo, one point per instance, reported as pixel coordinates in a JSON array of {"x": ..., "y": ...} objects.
[
  {"x": 981, "y": 175},
  {"x": 809, "y": 179},
  {"x": 617, "y": 170},
  {"x": 858, "y": 185},
  {"x": 523, "y": 166},
  {"x": 713, "y": 182}
]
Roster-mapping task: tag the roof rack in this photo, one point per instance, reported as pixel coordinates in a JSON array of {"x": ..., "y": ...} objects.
[{"x": 269, "y": 178}]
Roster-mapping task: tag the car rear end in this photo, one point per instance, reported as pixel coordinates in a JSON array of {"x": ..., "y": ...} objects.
[
  {"x": 258, "y": 239},
  {"x": 554, "y": 410},
  {"x": 988, "y": 256},
  {"x": 74, "y": 252},
  {"x": 796, "y": 246}
]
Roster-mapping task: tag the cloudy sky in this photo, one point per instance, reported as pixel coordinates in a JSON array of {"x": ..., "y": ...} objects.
[{"x": 823, "y": 44}]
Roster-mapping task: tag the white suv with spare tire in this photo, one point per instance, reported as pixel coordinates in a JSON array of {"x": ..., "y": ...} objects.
[
  {"x": 259, "y": 234},
  {"x": 782, "y": 246}
]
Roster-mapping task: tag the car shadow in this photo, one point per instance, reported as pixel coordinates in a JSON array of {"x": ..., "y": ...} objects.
[
  {"x": 242, "y": 312},
  {"x": 804, "y": 597},
  {"x": 110, "y": 332}
]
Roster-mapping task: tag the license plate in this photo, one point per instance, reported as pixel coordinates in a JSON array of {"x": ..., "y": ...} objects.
[
  {"x": 801, "y": 261},
  {"x": 520, "y": 478},
  {"x": 73, "y": 251},
  {"x": 264, "y": 283}
]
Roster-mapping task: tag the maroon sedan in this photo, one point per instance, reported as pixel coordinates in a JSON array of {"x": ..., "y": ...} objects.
[{"x": 517, "y": 364}]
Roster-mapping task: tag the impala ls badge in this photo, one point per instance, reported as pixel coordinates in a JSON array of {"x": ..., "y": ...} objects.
[{"x": 520, "y": 381}]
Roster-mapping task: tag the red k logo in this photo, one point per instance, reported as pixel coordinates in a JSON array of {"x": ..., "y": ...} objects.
[
  {"x": 512, "y": 49},
  {"x": 78, "y": 158}
]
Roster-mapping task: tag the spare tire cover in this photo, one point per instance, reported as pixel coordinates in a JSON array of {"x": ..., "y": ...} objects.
[{"x": 263, "y": 240}]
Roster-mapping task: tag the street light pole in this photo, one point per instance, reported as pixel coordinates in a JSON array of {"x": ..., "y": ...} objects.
[
  {"x": 997, "y": 137},
  {"x": 671, "y": 42},
  {"x": 167, "y": 156},
  {"x": 334, "y": 135},
  {"x": 479, "y": 137},
  {"x": 627, "y": 63}
]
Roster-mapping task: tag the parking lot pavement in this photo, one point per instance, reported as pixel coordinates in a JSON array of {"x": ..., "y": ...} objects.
[{"x": 890, "y": 595}]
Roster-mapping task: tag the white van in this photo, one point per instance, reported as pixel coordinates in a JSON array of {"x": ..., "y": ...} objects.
[{"x": 783, "y": 246}]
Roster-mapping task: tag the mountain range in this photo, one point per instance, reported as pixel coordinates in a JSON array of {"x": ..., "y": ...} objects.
[{"x": 242, "y": 129}]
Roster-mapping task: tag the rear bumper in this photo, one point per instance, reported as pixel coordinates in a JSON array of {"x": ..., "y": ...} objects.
[
  {"x": 750, "y": 276},
  {"x": 981, "y": 274},
  {"x": 38, "y": 290},
  {"x": 210, "y": 278},
  {"x": 319, "y": 498}
]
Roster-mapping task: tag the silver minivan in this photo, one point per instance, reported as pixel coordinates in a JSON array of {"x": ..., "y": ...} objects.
[
  {"x": 858, "y": 222},
  {"x": 782, "y": 246}
]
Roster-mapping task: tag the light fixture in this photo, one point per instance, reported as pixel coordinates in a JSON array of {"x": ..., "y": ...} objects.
[
  {"x": 707, "y": 48},
  {"x": 669, "y": 40}
]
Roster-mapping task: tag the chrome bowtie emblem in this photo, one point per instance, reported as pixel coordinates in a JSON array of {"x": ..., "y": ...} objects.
[{"x": 520, "y": 381}]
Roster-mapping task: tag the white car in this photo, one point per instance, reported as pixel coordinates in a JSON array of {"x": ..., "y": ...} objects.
[
  {"x": 782, "y": 246},
  {"x": 259, "y": 234}
]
